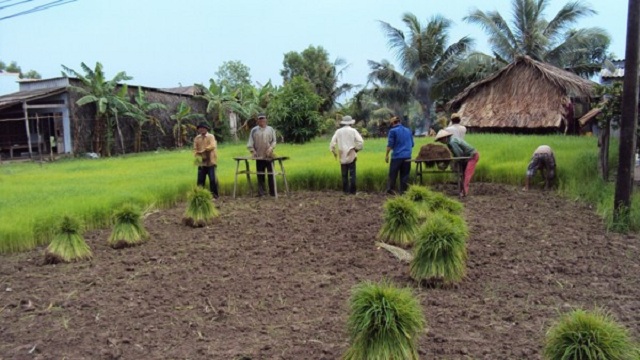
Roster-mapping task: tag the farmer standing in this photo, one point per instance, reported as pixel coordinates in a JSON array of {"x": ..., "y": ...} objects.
[
  {"x": 459, "y": 148},
  {"x": 543, "y": 160},
  {"x": 262, "y": 142},
  {"x": 347, "y": 141},
  {"x": 400, "y": 140},
  {"x": 205, "y": 150}
]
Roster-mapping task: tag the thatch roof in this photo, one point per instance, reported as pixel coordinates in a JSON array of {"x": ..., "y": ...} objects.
[{"x": 525, "y": 94}]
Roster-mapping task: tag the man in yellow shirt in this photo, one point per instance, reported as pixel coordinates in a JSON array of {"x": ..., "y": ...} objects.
[{"x": 205, "y": 150}]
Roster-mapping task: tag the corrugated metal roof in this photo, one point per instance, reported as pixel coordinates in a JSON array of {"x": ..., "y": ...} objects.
[{"x": 22, "y": 96}]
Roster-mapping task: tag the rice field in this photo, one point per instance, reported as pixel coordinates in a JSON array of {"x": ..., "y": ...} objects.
[{"x": 34, "y": 196}]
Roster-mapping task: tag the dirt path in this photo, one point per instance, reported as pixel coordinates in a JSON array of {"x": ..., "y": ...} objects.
[{"x": 271, "y": 280}]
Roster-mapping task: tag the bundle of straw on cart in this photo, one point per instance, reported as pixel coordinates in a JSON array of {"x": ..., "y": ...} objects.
[{"x": 435, "y": 155}]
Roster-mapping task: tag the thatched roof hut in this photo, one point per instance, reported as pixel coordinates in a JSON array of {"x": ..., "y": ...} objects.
[{"x": 527, "y": 95}]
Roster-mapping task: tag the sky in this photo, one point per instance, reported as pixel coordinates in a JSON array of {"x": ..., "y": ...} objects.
[{"x": 165, "y": 43}]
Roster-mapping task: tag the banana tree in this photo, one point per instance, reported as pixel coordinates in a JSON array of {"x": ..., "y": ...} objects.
[
  {"x": 182, "y": 126},
  {"x": 141, "y": 113}
]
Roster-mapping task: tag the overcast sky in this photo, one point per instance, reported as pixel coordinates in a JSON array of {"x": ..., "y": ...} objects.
[{"x": 164, "y": 43}]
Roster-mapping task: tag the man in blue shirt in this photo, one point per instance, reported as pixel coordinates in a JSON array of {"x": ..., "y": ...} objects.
[{"x": 400, "y": 140}]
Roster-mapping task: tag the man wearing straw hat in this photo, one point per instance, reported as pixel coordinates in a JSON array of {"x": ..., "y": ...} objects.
[
  {"x": 460, "y": 148},
  {"x": 347, "y": 141},
  {"x": 205, "y": 151},
  {"x": 455, "y": 128},
  {"x": 400, "y": 141}
]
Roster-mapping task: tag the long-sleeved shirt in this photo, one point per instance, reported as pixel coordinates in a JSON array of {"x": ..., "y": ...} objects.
[
  {"x": 348, "y": 141},
  {"x": 460, "y": 148},
  {"x": 262, "y": 141},
  {"x": 206, "y": 146},
  {"x": 457, "y": 130},
  {"x": 400, "y": 140}
]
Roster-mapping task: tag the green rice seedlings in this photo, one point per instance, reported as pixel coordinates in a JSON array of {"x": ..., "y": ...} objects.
[
  {"x": 400, "y": 222},
  {"x": 200, "y": 209},
  {"x": 128, "y": 229},
  {"x": 588, "y": 335},
  {"x": 67, "y": 244},
  {"x": 384, "y": 323},
  {"x": 420, "y": 196},
  {"x": 439, "y": 201},
  {"x": 440, "y": 252}
]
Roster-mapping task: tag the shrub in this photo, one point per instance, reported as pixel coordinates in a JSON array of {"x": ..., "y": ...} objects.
[
  {"x": 67, "y": 244},
  {"x": 588, "y": 335},
  {"x": 440, "y": 252},
  {"x": 384, "y": 323},
  {"x": 200, "y": 209},
  {"x": 400, "y": 222},
  {"x": 127, "y": 229}
]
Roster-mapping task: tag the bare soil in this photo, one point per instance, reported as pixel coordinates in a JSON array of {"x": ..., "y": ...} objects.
[{"x": 271, "y": 279}]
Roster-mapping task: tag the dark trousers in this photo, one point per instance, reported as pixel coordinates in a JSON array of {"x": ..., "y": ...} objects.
[
  {"x": 403, "y": 168},
  {"x": 263, "y": 166},
  {"x": 210, "y": 171},
  {"x": 349, "y": 177}
]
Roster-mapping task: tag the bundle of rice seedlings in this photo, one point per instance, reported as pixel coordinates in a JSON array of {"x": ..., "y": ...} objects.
[
  {"x": 67, "y": 244},
  {"x": 588, "y": 335},
  {"x": 128, "y": 229},
  {"x": 439, "y": 201},
  {"x": 200, "y": 209},
  {"x": 384, "y": 323},
  {"x": 420, "y": 196},
  {"x": 400, "y": 222},
  {"x": 440, "y": 251}
]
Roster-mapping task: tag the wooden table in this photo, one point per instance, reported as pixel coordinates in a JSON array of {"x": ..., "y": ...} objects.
[
  {"x": 273, "y": 174},
  {"x": 456, "y": 164}
]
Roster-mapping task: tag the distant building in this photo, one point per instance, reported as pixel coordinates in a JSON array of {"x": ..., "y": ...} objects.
[
  {"x": 610, "y": 75},
  {"x": 43, "y": 118}
]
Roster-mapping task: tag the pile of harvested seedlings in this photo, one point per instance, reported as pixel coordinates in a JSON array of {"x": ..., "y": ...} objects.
[{"x": 435, "y": 152}]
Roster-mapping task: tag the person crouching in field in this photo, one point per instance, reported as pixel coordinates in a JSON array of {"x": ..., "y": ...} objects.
[
  {"x": 460, "y": 148},
  {"x": 205, "y": 151},
  {"x": 345, "y": 143},
  {"x": 544, "y": 161}
]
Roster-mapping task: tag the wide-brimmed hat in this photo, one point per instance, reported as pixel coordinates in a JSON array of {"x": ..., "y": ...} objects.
[
  {"x": 204, "y": 125},
  {"x": 394, "y": 119},
  {"x": 262, "y": 116},
  {"x": 455, "y": 116},
  {"x": 442, "y": 134},
  {"x": 347, "y": 120}
]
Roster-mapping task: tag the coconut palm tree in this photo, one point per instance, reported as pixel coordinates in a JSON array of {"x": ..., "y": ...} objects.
[
  {"x": 108, "y": 96},
  {"x": 141, "y": 114},
  {"x": 426, "y": 63},
  {"x": 551, "y": 41}
]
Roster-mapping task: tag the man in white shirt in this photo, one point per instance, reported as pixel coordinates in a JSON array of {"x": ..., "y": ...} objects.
[
  {"x": 261, "y": 143},
  {"x": 345, "y": 144},
  {"x": 456, "y": 130}
]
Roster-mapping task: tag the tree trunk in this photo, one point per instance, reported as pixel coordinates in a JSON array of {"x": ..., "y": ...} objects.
[
  {"x": 99, "y": 135},
  {"x": 603, "y": 154},
  {"x": 120, "y": 133},
  {"x": 624, "y": 183}
]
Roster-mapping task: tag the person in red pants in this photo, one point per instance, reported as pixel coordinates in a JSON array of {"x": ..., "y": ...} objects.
[{"x": 460, "y": 148}]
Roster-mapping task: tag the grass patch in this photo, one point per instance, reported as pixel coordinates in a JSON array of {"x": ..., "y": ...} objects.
[
  {"x": 400, "y": 222},
  {"x": 128, "y": 229},
  {"x": 200, "y": 209},
  {"x": 68, "y": 244}
]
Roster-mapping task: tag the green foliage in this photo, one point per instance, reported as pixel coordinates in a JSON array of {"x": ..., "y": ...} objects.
[
  {"x": 200, "y": 209},
  {"x": 588, "y": 335},
  {"x": 233, "y": 75},
  {"x": 438, "y": 201},
  {"x": 400, "y": 222},
  {"x": 294, "y": 111},
  {"x": 67, "y": 244},
  {"x": 183, "y": 118},
  {"x": 14, "y": 68},
  {"x": 128, "y": 229},
  {"x": 384, "y": 323},
  {"x": 552, "y": 41},
  {"x": 440, "y": 252},
  {"x": 611, "y": 104},
  {"x": 313, "y": 64},
  {"x": 108, "y": 97}
]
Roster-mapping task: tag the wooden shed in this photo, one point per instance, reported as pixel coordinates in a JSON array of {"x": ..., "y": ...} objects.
[{"x": 525, "y": 96}]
